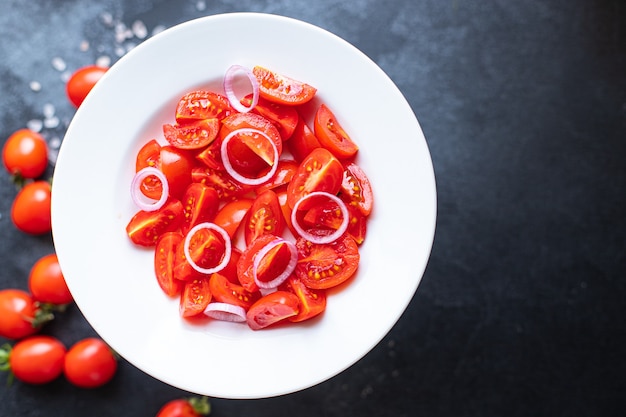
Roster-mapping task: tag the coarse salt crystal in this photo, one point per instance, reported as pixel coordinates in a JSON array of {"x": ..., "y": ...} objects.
[
  {"x": 48, "y": 110},
  {"x": 139, "y": 29},
  {"x": 51, "y": 122},
  {"x": 103, "y": 61},
  {"x": 35, "y": 125},
  {"x": 58, "y": 64},
  {"x": 35, "y": 85}
]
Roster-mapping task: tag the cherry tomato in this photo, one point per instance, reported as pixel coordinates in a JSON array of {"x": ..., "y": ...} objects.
[
  {"x": 328, "y": 265},
  {"x": 224, "y": 291},
  {"x": 18, "y": 314},
  {"x": 231, "y": 215},
  {"x": 284, "y": 173},
  {"x": 211, "y": 156},
  {"x": 31, "y": 208},
  {"x": 165, "y": 261},
  {"x": 25, "y": 154},
  {"x": 302, "y": 141},
  {"x": 81, "y": 83},
  {"x": 37, "y": 359},
  {"x": 264, "y": 217},
  {"x": 331, "y": 135},
  {"x": 272, "y": 264},
  {"x": 227, "y": 188},
  {"x": 47, "y": 283},
  {"x": 191, "y": 407},
  {"x": 195, "y": 297},
  {"x": 149, "y": 156},
  {"x": 320, "y": 171},
  {"x": 281, "y": 89},
  {"x": 192, "y": 135},
  {"x": 285, "y": 118},
  {"x": 206, "y": 249},
  {"x": 200, "y": 204},
  {"x": 176, "y": 164},
  {"x": 311, "y": 302},
  {"x": 200, "y": 105},
  {"x": 356, "y": 189},
  {"x": 271, "y": 309},
  {"x": 145, "y": 227},
  {"x": 90, "y": 363}
]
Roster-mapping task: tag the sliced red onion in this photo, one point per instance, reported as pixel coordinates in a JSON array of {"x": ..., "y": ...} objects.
[
  {"x": 230, "y": 92},
  {"x": 315, "y": 238},
  {"x": 225, "y": 312},
  {"x": 227, "y": 250},
  {"x": 288, "y": 269},
  {"x": 229, "y": 167},
  {"x": 141, "y": 200}
]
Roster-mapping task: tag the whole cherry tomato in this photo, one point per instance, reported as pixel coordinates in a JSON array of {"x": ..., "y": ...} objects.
[
  {"x": 20, "y": 315},
  {"x": 47, "y": 283},
  {"x": 81, "y": 83},
  {"x": 34, "y": 360},
  {"x": 30, "y": 211},
  {"x": 90, "y": 363},
  {"x": 186, "y": 407},
  {"x": 25, "y": 154}
]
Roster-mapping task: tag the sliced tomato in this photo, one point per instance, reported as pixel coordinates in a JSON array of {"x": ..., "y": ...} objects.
[
  {"x": 328, "y": 265},
  {"x": 227, "y": 188},
  {"x": 357, "y": 226},
  {"x": 271, "y": 309},
  {"x": 285, "y": 118},
  {"x": 202, "y": 104},
  {"x": 230, "y": 270},
  {"x": 211, "y": 156},
  {"x": 164, "y": 262},
  {"x": 320, "y": 171},
  {"x": 246, "y": 262},
  {"x": 281, "y": 89},
  {"x": 193, "y": 135},
  {"x": 225, "y": 291},
  {"x": 200, "y": 204},
  {"x": 302, "y": 141},
  {"x": 230, "y": 216},
  {"x": 206, "y": 249},
  {"x": 149, "y": 156},
  {"x": 328, "y": 216},
  {"x": 311, "y": 302},
  {"x": 264, "y": 217},
  {"x": 146, "y": 227},
  {"x": 284, "y": 173},
  {"x": 176, "y": 164},
  {"x": 195, "y": 297},
  {"x": 331, "y": 135},
  {"x": 356, "y": 189}
]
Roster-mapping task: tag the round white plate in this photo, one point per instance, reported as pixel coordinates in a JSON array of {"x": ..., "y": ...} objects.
[{"x": 113, "y": 281}]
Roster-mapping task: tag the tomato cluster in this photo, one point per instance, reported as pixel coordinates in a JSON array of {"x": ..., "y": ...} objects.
[{"x": 211, "y": 158}]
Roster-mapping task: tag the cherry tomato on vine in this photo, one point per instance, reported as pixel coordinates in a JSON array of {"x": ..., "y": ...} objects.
[
  {"x": 47, "y": 283},
  {"x": 82, "y": 81},
  {"x": 281, "y": 89},
  {"x": 25, "y": 154},
  {"x": 30, "y": 211},
  {"x": 35, "y": 359},
  {"x": 20, "y": 315},
  {"x": 331, "y": 135},
  {"x": 90, "y": 363},
  {"x": 271, "y": 309},
  {"x": 186, "y": 407}
]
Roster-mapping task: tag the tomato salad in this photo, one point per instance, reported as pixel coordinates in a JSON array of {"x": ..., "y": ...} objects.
[{"x": 252, "y": 214}]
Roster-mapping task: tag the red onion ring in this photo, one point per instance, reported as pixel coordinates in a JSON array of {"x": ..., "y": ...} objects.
[
  {"x": 139, "y": 198},
  {"x": 291, "y": 266},
  {"x": 229, "y": 78},
  {"x": 227, "y": 250},
  {"x": 225, "y": 312},
  {"x": 321, "y": 239},
  {"x": 229, "y": 166}
]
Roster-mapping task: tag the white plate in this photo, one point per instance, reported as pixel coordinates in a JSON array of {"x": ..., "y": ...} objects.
[{"x": 113, "y": 281}]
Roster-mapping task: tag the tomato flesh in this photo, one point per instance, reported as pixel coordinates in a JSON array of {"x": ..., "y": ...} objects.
[
  {"x": 311, "y": 302},
  {"x": 271, "y": 309},
  {"x": 328, "y": 265},
  {"x": 195, "y": 297},
  {"x": 356, "y": 189},
  {"x": 200, "y": 204},
  {"x": 264, "y": 217},
  {"x": 302, "y": 141},
  {"x": 200, "y": 105},
  {"x": 193, "y": 135},
  {"x": 145, "y": 227},
  {"x": 165, "y": 261},
  {"x": 285, "y": 118},
  {"x": 331, "y": 135},
  {"x": 320, "y": 171},
  {"x": 281, "y": 89},
  {"x": 225, "y": 291}
]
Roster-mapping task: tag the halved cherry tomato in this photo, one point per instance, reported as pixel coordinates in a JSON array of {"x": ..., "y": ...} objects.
[
  {"x": 195, "y": 297},
  {"x": 320, "y": 171},
  {"x": 176, "y": 165},
  {"x": 145, "y": 227},
  {"x": 311, "y": 302},
  {"x": 227, "y": 188},
  {"x": 90, "y": 363},
  {"x": 230, "y": 216},
  {"x": 271, "y": 309},
  {"x": 30, "y": 211},
  {"x": 328, "y": 265},
  {"x": 328, "y": 216},
  {"x": 82, "y": 81},
  {"x": 25, "y": 154},
  {"x": 225, "y": 291},
  {"x": 264, "y": 217},
  {"x": 331, "y": 135},
  {"x": 202, "y": 104},
  {"x": 284, "y": 173},
  {"x": 19, "y": 314},
  {"x": 192, "y": 135},
  {"x": 165, "y": 261},
  {"x": 302, "y": 141},
  {"x": 37, "y": 359},
  {"x": 230, "y": 270},
  {"x": 211, "y": 156},
  {"x": 285, "y": 118},
  {"x": 356, "y": 189},
  {"x": 272, "y": 264},
  {"x": 200, "y": 204},
  {"x": 47, "y": 283},
  {"x": 206, "y": 249},
  {"x": 281, "y": 89},
  {"x": 150, "y": 156}
]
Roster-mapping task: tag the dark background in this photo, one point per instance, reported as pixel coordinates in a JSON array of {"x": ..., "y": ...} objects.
[{"x": 523, "y": 104}]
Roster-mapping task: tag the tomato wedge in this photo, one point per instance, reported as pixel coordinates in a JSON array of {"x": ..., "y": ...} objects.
[
  {"x": 311, "y": 302},
  {"x": 281, "y": 89},
  {"x": 328, "y": 265},
  {"x": 284, "y": 173},
  {"x": 264, "y": 217},
  {"x": 271, "y": 309},
  {"x": 356, "y": 189},
  {"x": 202, "y": 104},
  {"x": 206, "y": 249},
  {"x": 302, "y": 141},
  {"x": 176, "y": 164},
  {"x": 193, "y": 135},
  {"x": 331, "y": 135},
  {"x": 285, "y": 118},
  {"x": 227, "y": 188},
  {"x": 230, "y": 216},
  {"x": 164, "y": 262},
  {"x": 145, "y": 227},
  {"x": 275, "y": 260},
  {"x": 320, "y": 171},
  {"x": 225, "y": 291},
  {"x": 149, "y": 156},
  {"x": 195, "y": 297},
  {"x": 200, "y": 204}
]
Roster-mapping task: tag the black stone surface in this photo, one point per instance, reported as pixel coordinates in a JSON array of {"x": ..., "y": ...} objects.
[{"x": 523, "y": 104}]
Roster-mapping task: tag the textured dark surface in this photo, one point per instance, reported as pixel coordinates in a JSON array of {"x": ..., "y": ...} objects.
[{"x": 523, "y": 104}]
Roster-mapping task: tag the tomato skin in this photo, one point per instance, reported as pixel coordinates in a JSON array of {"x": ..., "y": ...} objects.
[
  {"x": 165, "y": 262},
  {"x": 37, "y": 359},
  {"x": 82, "y": 81},
  {"x": 25, "y": 153},
  {"x": 311, "y": 302},
  {"x": 230, "y": 216},
  {"x": 90, "y": 363},
  {"x": 331, "y": 135},
  {"x": 176, "y": 164},
  {"x": 302, "y": 141},
  {"x": 284, "y": 173},
  {"x": 18, "y": 311},
  {"x": 271, "y": 309},
  {"x": 47, "y": 283},
  {"x": 202, "y": 104},
  {"x": 285, "y": 118},
  {"x": 224, "y": 291},
  {"x": 200, "y": 204},
  {"x": 356, "y": 189},
  {"x": 193, "y": 135},
  {"x": 264, "y": 217},
  {"x": 280, "y": 89},
  {"x": 192, "y": 407},
  {"x": 31, "y": 210},
  {"x": 145, "y": 227},
  {"x": 227, "y": 188},
  {"x": 246, "y": 262},
  {"x": 149, "y": 156},
  {"x": 195, "y": 298},
  {"x": 320, "y": 171}
]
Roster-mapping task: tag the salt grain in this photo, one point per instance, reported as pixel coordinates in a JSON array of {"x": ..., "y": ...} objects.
[
  {"x": 119, "y": 51},
  {"x": 139, "y": 29},
  {"x": 200, "y": 5},
  {"x": 35, "y": 86},
  {"x": 107, "y": 19},
  {"x": 84, "y": 46},
  {"x": 158, "y": 29},
  {"x": 51, "y": 122},
  {"x": 35, "y": 125},
  {"x": 103, "y": 61},
  {"x": 58, "y": 64},
  {"x": 54, "y": 142},
  {"x": 48, "y": 110}
]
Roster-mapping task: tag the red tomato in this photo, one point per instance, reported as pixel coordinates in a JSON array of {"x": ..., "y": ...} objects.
[
  {"x": 195, "y": 297},
  {"x": 81, "y": 83},
  {"x": 227, "y": 188},
  {"x": 224, "y": 291},
  {"x": 31, "y": 208},
  {"x": 285, "y": 118},
  {"x": 356, "y": 189},
  {"x": 302, "y": 141},
  {"x": 331, "y": 135},
  {"x": 200, "y": 204},
  {"x": 192, "y": 135},
  {"x": 19, "y": 314},
  {"x": 200, "y": 105},
  {"x": 281, "y": 89},
  {"x": 37, "y": 359},
  {"x": 192, "y": 407},
  {"x": 230, "y": 270},
  {"x": 272, "y": 264},
  {"x": 264, "y": 217},
  {"x": 25, "y": 154},
  {"x": 271, "y": 309},
  {"x": 145, "y": 228},
  {"x": 47, "y": 283},
  {"x": 320, "y": 171},
  {"x": 90, "y": 363},
  {"x": 176, "y": 164},
  {"x": 149, "y": 156},
  {"x": 328, "y": 216},
  {"x": 206, "y": 249},
  {"x": 165, "y": 261},
  {"x": 230, "y": 216},
  {"x": 326, "y": 266},
  {"x": 211, "y": 156},
  {"x": 284, "y": 173},
  {"x": 311, "y": 302}
]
